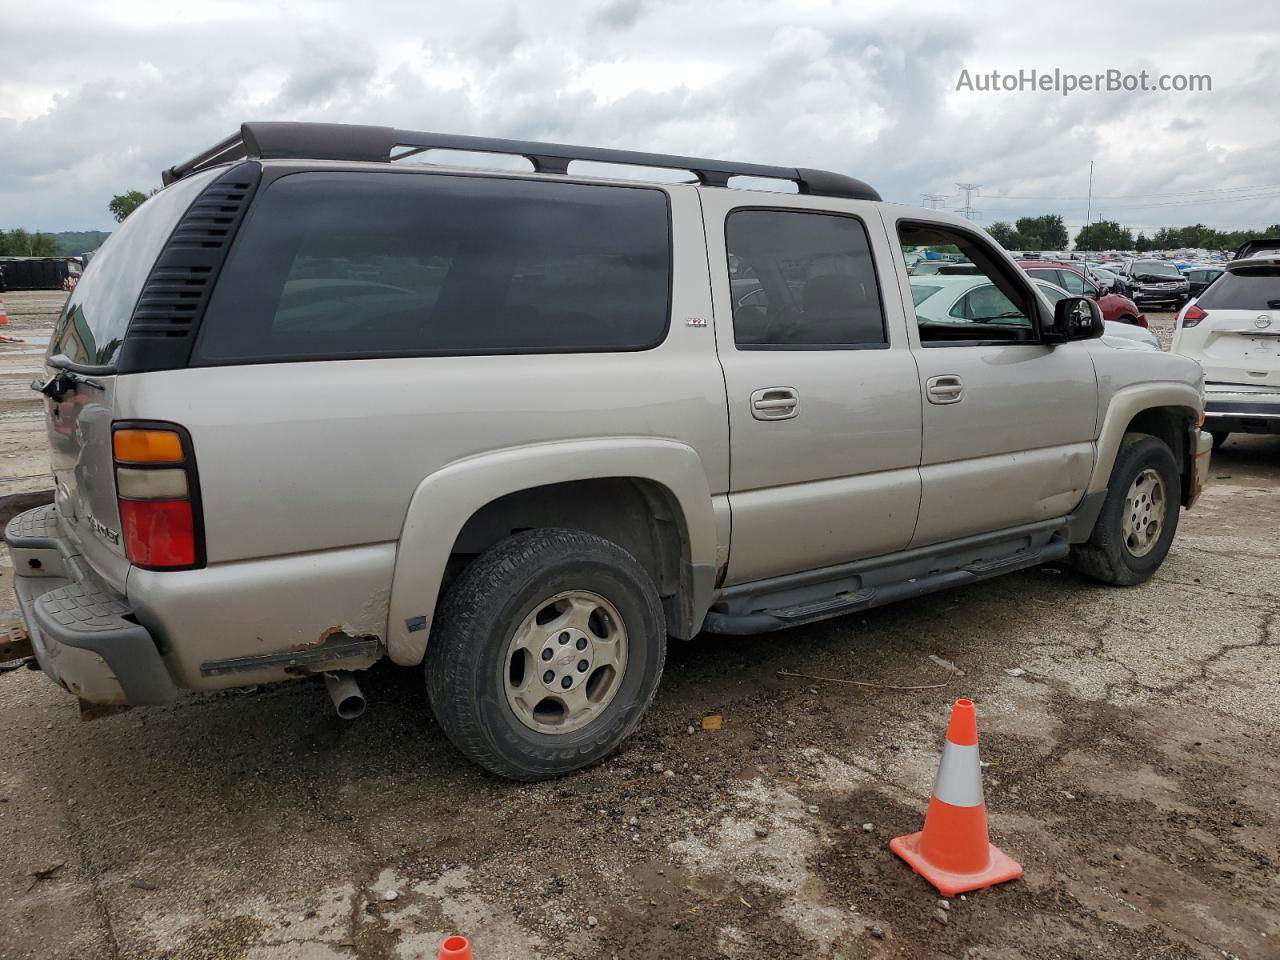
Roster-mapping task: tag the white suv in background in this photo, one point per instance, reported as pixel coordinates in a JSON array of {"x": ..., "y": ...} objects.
[{"x": 1233, "y": 330}]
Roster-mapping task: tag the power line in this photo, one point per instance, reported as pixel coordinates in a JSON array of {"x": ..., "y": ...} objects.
[{"x": 968, "y": 211}]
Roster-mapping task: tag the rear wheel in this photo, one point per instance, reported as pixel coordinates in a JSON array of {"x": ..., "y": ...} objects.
[
  {"x": 546, "y": 651},
  {"x": 1219, "y": 438},
  {"x": 1139, "y": 516}
]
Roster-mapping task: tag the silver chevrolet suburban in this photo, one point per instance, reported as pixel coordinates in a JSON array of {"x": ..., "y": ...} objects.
[{"x": 322, "y": 401}]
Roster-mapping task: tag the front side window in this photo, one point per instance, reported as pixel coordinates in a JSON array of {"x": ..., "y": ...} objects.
[
  {"x": 1074, "y": 284},
  {"x": 362, "y": 265},
  {"x": 986, "y": 306},
  {"x": 802, "y": 280}
]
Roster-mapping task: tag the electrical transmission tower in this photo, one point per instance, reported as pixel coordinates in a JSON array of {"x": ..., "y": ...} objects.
[
  {"x": 968, "y": 211},
  {"x": 933, "y": 200}
]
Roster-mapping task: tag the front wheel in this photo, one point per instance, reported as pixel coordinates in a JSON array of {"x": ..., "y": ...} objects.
[
  {"x": 1139, "y": 516},
  {"x": 545, "y": 653}
]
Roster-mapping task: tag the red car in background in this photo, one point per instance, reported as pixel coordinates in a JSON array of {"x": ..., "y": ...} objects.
[{"x": 1072, "y": 279}]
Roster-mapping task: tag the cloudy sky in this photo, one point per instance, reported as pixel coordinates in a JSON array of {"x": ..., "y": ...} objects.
[{"x": 96, "y": 98}]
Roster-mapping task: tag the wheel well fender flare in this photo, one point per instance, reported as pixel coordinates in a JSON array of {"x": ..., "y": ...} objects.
[
  {"x": 1127, "y": 404},
  {"x": 446, "y": 499}
]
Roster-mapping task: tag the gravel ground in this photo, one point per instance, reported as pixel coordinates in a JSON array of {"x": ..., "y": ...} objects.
[{"x": 1133, "y": 769}]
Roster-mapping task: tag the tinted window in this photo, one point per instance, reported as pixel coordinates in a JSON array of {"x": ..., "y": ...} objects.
[
  {"x": 93, "y": 322},
  {"x": 1254, "y": 288},
  {"x": 1050, "y": 275},
  {"x": 347, "y": 265},
  {"x": 812, "y": 281},
  {"x": 1073, "y": 283},
  {"x": 987, "y": 307}
]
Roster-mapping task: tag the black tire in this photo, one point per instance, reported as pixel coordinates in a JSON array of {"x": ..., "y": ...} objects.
[
  {"x": 1106, "y": 556},
  {"x": 466, "y": 660},
  {"x": 1219, "y": 438}
]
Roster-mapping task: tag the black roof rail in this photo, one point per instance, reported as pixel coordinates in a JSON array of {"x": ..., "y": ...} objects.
[{"x": 340, "y": 141}]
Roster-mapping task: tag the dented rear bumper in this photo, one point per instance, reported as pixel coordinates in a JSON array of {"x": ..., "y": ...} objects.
[{"x": 82, "y": 632}]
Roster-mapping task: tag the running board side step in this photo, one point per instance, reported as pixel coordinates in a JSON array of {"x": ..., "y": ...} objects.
[{"x": 852, "y": 594}]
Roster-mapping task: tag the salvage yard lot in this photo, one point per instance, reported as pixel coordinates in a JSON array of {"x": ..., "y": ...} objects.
[{"x": 1134, "y": 771}]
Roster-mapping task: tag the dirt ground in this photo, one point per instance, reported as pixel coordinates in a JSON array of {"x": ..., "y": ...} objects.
[{"x": 1133, "y": 768}]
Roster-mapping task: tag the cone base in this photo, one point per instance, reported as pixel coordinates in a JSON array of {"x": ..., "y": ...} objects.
[{"x": 1002, "y": 867}]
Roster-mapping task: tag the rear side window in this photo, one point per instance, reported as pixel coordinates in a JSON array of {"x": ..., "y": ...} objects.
[
  {"x": 1253, "y": 288},
  {"x": 810, "y": 282},
  {"x": 92, "y": 326},
  {"x": 356, "y": 265}
]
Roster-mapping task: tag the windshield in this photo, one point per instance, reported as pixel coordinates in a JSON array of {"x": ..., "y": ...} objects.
[
  {"x": 93, "y": 322},
  {"x": 1156, "y": 270}
]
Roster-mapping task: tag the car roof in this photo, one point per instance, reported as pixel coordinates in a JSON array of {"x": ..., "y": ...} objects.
[{"x": 1261, "y": 260}]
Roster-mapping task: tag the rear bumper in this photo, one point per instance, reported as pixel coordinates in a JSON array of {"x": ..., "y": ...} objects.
[
  {"x": 83, "y": 633},
  {"x": 1201, "y": 450},
  {"x": 1232, "y": 408}
]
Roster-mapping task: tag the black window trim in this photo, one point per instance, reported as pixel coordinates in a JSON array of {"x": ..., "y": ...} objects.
[
  {"x": 1014, "y": 274},
  {"x": 807, "y": 347},
  {"x": 271, "y": 176}
]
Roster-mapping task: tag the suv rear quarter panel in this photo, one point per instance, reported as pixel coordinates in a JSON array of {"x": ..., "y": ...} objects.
[{"x": 301, "y": 459}]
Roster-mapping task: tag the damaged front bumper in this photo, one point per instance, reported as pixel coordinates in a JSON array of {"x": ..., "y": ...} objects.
[{"x": 82, "y": 632}]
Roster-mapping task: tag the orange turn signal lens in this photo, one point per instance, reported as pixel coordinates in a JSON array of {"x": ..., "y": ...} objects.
[{"x": 148, "y": 446}]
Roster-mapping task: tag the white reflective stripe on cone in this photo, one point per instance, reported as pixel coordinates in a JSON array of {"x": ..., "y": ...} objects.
[{"x": 959, "y": 780}]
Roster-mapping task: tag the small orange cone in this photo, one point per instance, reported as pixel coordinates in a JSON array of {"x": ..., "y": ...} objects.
[
  {"x": 455, "y": 948},
  {"x": 952, "y": 852},
  {"x": 4, "y": 316}
]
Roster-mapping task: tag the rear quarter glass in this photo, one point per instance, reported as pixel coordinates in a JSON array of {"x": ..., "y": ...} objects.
[
  {"x": 92, "y": 326},
  {"x": 350, "y": 265}
]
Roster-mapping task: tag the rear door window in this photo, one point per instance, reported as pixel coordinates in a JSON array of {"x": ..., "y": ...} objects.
[
  {"x": 360, "y": 265},
  {"x": 1253, "y": 288},
  {"x": 93, "y": 322},
  {"x": 802, "y": 281}
]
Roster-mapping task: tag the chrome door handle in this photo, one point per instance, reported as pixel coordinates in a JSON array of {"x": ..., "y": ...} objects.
[
  {"x": 947, "y": 388},
  {"x": 775, "y": 403}
]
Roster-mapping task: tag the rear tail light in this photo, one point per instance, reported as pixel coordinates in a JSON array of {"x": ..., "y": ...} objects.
[
  {"x": 1192, "y": 315},
  {"x": 159, "y": 504}
]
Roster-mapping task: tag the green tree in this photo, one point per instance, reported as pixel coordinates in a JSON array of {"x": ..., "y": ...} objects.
[
  {"x": 123, "y": 204},
  {"x": 1003, "y": 234},
  {"x": 1104, "y": 235},
  {"x": 1047, "y": 231},
  {"x": 1142, "y": 244}
]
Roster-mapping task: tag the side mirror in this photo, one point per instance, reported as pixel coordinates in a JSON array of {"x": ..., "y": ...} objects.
[{"x": 1075, "y": 318}]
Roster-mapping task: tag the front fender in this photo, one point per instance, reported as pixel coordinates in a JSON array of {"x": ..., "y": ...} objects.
[
  {"x": 445, "y": 500},
  {"x": 1126, "y": 404}
]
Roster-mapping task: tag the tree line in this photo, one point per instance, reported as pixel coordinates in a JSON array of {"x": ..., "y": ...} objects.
[
  {"x": 1048, "y": 232},
  {"x": 21, "y": 243}
]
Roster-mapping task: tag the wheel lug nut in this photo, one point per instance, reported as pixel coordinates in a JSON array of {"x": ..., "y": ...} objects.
[
  {"x": 547, "y": 654},
  {"x": 566, "y": 682},
  {"x": 564, "y": 638},
  {"x": 582, "y": 643},
  {"x": 582, "y": 666},
  {"x": 548, "y": 676}
]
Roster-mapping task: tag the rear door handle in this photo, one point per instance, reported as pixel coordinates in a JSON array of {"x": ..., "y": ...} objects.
[
  {"x": 775, "y": 403},
  {"x": 947, "y": 388}
]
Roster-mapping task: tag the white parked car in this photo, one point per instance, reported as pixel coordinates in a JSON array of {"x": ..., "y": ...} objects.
[
  {"x": 944, "y": 299},
  {"x": 1124, "y": 336},
  {"x": 1233, "y": 330}
]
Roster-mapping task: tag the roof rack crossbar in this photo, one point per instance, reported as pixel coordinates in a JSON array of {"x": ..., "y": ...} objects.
[{"x": 332, "y": 141}]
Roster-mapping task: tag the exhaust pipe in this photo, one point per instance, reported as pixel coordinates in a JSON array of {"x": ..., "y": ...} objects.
[{"x": 345, "y": 693}]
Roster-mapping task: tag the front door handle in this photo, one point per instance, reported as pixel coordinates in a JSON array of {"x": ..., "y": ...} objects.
[
  {"x": 947, "y": 388},
  {"x": 775, "y": 403}
]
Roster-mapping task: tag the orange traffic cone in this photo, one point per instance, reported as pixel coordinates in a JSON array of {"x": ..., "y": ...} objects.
[
  {"x": 4, "y": 317},
  {"x": 455, "y": 948},
  {"x": 952, "y": 852}
]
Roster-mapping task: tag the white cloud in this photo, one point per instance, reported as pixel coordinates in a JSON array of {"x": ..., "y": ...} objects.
[{"x": 101, "y": 104}]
